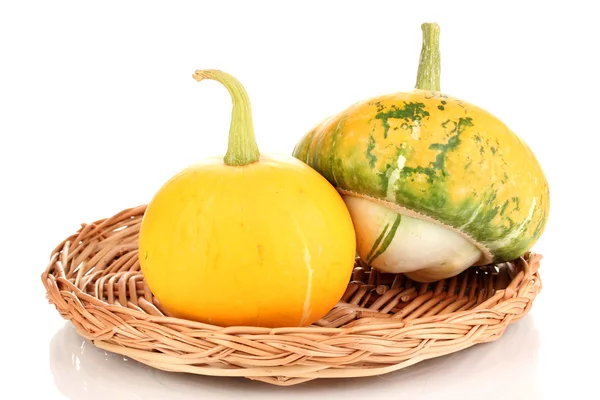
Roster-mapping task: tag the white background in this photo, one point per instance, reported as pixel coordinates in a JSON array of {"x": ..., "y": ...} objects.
[{"x": 98, "y": 108}]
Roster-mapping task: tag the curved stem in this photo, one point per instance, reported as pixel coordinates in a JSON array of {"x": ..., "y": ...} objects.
[
  {"x": 242, "y": 148},
  {"x": 428, "y": 75}
]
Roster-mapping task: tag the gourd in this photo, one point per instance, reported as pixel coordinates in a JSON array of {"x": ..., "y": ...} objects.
[
  {"x": 434, "y": 184},
  {"x": 247, "y": 239}
]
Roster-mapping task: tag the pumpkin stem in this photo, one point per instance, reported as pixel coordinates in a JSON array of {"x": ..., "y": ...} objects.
[
  {"x": 242, "y": 148},
  {"x": 428, "y": 75}
]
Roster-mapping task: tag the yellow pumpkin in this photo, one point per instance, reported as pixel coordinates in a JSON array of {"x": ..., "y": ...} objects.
[{"x": 247, "y": 239}]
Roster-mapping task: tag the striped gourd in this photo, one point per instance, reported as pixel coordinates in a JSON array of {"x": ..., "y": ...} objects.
[{"x": 434, "y": 184}]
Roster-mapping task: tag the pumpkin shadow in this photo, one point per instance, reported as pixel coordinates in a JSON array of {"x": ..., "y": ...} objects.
[{"x": 83, "y": 371}]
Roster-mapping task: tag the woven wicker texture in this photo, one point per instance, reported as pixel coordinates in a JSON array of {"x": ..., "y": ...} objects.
[{"x": 384, "y": 322}]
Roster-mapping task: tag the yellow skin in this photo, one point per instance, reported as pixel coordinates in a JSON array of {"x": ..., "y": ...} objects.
[{"x": 269, "y": 243}]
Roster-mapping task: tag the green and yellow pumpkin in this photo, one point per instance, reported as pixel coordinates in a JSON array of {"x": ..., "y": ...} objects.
[{"x": 433, "y": 184}]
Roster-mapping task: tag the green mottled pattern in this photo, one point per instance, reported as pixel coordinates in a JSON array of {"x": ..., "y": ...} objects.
[
  {"x": 441, "y": 157},
  {"x": 385, "y": 238}
]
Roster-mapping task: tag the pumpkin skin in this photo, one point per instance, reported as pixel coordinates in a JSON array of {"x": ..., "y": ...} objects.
[
  {"x": 433, "y": 157},
  {"x": 270, "y": 243}
]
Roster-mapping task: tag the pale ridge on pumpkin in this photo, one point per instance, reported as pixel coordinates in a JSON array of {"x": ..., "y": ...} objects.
[
  {"x": 394, "y": 177},
  {"x": 514, "y": 234},
  {"x": 470, "y": 221},
  {"x": 306, "y": 310},
  {"x": 415, "y": 130}
]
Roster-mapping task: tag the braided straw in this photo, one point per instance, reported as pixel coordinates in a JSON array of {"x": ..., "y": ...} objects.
[{"x": 383, "y": 323}]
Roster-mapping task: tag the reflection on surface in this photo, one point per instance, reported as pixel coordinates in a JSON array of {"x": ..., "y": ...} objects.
[{"x": 507, "y": 366}]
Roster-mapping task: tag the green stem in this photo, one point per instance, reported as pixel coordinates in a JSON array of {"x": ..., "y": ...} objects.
[
  {"x": 428, "y": 75},
  {"x": 242, "y": 148}
]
